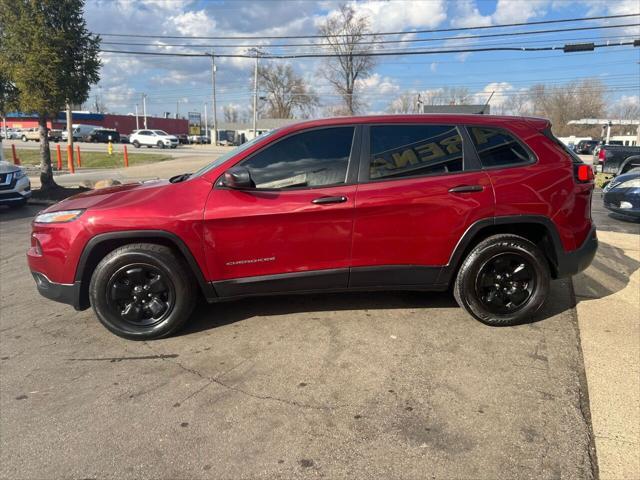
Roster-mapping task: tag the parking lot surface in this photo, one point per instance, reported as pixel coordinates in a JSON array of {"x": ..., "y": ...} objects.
[
  {"x": 394, "y": 385},
  {"x": 386, "y": 385}
]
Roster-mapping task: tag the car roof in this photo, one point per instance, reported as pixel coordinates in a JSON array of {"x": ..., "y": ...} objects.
[{"x": 446, "y": 118}]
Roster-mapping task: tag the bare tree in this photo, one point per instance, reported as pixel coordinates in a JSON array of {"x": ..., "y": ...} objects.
[
  {"x": 344, "y": 33},
  {"x": 455, "y": 96},
  {"x": 404, "y": 103},
  {"x": 287, "y": 94},
  {"x": 230, "y": 113},
  {"x": 517, "y": 104}
]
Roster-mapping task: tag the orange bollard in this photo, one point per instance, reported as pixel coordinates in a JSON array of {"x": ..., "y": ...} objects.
[
  {"x": 70, "y": 159},
  {"x": 16, "y": 160},
  {"x": 59, "y": 155},
  {"x": 78, "y": 159},
  {"x": 126, "y": 156}
]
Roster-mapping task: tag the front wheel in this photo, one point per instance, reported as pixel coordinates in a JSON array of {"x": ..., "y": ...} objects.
[
  {"x": 24, "y": 138},
  {"x": 160, "y": 145},
  {"x": 136, "y": 144},
  {"x": 503, "y": 281},
  {"x": 142, "y": 291}
]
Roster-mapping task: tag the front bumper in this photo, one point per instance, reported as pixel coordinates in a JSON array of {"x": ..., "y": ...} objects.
[
  {"x": 15, "y": 191},
  {"x": 571, "y": 263},
  {"x": 59, "y": 292},
  {"x": 617, "y": 199}
]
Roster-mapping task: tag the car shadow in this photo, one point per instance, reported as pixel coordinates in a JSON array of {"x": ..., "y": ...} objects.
[
  {"x": 608, "y": 273},
  {"x": 209, "y": 316},
  {"x": 8, "y": 213}
]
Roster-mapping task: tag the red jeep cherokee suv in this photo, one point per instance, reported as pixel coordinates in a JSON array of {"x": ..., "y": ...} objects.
[{"x": 493, "y": 207}]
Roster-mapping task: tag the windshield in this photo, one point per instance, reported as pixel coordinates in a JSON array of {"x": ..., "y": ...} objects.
[
  {"x": 160, "y": 132},
  {"x": 226, "y": 156}
]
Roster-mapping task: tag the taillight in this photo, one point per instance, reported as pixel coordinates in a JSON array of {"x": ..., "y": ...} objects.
[
  {"x": 602, "y": 155},
  {"x": 584, "y": 173}
]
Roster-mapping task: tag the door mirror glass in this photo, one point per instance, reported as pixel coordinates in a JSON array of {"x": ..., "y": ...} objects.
[{"x": 238, "y": 178}]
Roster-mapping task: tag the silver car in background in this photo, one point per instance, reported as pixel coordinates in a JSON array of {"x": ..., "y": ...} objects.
[{"x": 15, "y": 187}]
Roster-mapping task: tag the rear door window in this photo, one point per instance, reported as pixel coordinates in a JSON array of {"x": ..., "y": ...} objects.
[
  {"x": 398, "y": 151},
  {"x": 497, "y": 148}
]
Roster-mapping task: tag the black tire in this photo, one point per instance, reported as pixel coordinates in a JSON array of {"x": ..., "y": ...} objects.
[
  {"x": 24, "y": 138},
  {"x": 136, "y": 144},
  {"x": 503, "y": 281},
  {"x": 137, "y": 273},
  {"x": 160, "y": 145}
]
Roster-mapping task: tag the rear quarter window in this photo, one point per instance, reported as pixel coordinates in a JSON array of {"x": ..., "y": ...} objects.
[{"x": 498, "y": 148}]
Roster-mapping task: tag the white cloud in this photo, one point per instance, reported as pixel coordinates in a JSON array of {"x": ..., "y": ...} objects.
[
  {"x": 377, "y": 84},
  {"x": 401, "y": 14},
  {"x": 467, "y": 14},
  {"x": 500, "y": 92}
]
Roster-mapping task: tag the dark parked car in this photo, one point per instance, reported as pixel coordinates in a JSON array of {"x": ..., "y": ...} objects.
[
  {"x": 617, "y": 159},
  {"x": 183, "y": 138},
  {"x": 491, "y": 207},
  {"x": 103, "y": 135},
  {"x": 586, "y": 146},
  {"x": 622, "y": 194}
]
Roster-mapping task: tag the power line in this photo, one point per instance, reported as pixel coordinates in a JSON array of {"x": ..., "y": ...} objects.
[
  {"x": 456, "y": 29},
  {"x": 376, "y": 42},
  {"x": 367, "y": 54}
]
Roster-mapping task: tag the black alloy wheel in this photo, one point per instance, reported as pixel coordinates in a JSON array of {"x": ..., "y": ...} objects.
[
  {"x": 143, "y": 291},
  {"x": 504, "y": 280},
  {"x": 140, "y": 294},
  {"x": 505, "y": 283}
]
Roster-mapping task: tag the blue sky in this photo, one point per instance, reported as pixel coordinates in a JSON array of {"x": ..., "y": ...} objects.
[{"x": 171, "y": 80}]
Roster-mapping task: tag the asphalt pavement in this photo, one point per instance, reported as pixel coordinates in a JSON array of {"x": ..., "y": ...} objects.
[{"x": 379, "y": 385}]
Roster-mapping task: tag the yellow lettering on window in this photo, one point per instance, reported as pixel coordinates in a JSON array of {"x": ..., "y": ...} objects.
[
  {"x": 453, "y": 143},
  {"x": 429, "y": 151},
  {"x": 483, "y": 134},
  {"x": 406, "y": 157}
]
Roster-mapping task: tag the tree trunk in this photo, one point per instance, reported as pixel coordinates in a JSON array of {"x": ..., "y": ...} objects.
[{"x": 46, "y": 172}]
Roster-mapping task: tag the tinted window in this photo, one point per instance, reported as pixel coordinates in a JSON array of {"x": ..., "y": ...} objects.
[
  {"x": 308, "y": 159},
  {"x": 497, "y": 147},
  {"x": 411, "y": 150}
]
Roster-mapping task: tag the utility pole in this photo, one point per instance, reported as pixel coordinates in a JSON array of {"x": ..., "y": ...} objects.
[
  {"x": 255, "y": 93},
  {"x": 214, "y": 140},
  {"x": 206, "y": 124},
  {"x": 137, "y": 125},
  {"x": 178, "y": 109},
  {"x": 69, "y": 127},
  {"x": 144, "y": 109}
]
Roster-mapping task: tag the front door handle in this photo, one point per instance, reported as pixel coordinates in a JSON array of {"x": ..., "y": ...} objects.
[
  {"x": 325, "y": 200},
  {"x": 466, "y": 189}
]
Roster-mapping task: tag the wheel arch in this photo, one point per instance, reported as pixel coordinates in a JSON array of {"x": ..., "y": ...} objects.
[
  {"x": 100, "y": 245},
  {"x": 538, "y": 229}
]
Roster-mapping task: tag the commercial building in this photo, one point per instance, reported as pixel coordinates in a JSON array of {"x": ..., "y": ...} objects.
[{"x": 124, "y": 124}]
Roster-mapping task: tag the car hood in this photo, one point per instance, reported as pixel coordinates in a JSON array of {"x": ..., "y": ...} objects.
[
  {"x": 110, "y": 196},
  {"x": 617, "y": 182},
  {"x": 8, "y": 167}
]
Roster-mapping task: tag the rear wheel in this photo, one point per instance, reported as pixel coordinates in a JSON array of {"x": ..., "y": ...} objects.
[
  {"x": 503, "y": 281},
  {"x": 142, "y": 291}
]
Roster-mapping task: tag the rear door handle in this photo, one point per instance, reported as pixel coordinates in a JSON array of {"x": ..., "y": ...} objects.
[
  {"x": 325, "y": 200},
  {"x": 466, "y": 189}
]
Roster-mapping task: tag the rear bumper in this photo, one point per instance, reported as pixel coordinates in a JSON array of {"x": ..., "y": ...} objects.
[
  {"x": 571, "y": 263},
  {"x": 59, "y": 292}
]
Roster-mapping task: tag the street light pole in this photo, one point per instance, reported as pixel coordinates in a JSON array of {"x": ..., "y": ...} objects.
[
  {"x": 214, "y": 140},
  {"x": 255, "y": 94},
  {"x": 144, "y": 109},
  {"x": 137, "y": 124}
]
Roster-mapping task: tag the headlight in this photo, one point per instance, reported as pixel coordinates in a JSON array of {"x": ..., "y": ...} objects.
[
  {"x": 62, "y": 216},
  {"x": 633, "y": 183},
  {"x": 19, "y": 174}
]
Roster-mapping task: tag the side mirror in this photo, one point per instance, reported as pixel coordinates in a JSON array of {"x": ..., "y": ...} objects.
[{"x": 238, "y": 178}]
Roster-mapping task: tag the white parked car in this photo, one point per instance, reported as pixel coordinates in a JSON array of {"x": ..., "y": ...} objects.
[
  {"x": 153, "y": 138},
  {"x": 15, "y": 187}
]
